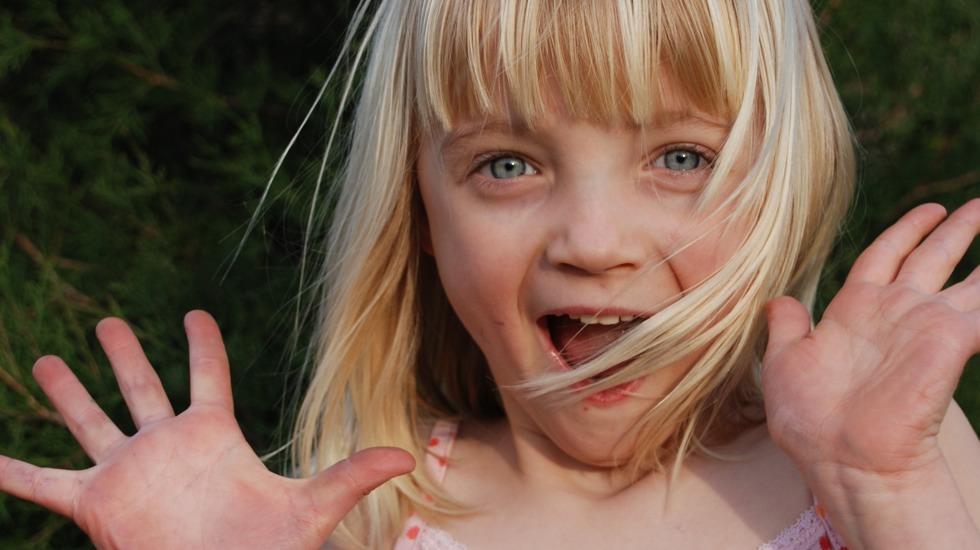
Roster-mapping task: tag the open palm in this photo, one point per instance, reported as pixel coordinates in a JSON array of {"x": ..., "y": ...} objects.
[
  {"x": 867, "y": 388},
  {"x": 185, "y": 481}
]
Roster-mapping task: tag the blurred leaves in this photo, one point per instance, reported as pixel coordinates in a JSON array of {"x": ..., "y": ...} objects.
[{"x": 135, "y": 141}]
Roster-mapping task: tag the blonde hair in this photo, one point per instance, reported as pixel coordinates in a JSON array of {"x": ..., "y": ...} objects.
[{"x": 390, "y": 355}]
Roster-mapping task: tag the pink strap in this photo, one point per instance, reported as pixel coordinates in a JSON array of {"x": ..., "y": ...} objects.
[
  {"x": 437, "y": 453},
  {"x": 440, "y": 448},
  {"x": 833, "y": 538}
]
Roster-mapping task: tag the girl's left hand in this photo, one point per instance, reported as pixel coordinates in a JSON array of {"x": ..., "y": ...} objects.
[{"x": 860, "y": 397}]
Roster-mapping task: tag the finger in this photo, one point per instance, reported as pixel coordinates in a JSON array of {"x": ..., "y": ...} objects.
[
  {"x": 879, "y": 263},
  {"x": 929, "y": 266},
  {"x": 789, "y": 321},
  {"x": 85, "y": 419},
  {"x": 53, "y": 489},
  {"x": 965, "y": 295},
  {"x": 210, "y": 379},
  {"x": 138, "y": 382},
  {"x": 336, "y": 490}
]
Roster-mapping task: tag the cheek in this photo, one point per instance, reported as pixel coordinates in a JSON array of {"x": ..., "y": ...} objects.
[
  {"x": 479, "y": 269},
  {"x": 478, "y": 256},
  {"x": 698, "y": 250}
]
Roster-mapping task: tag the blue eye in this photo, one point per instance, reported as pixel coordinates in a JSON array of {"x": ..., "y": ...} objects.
[
  {"x": 509, "y": 166},
  {"x": 681, "y": 160}
]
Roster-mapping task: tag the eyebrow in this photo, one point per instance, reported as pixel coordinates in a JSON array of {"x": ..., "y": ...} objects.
[
  {"x": 467, "y": 131},
  {"x": 662, "y": 120}
]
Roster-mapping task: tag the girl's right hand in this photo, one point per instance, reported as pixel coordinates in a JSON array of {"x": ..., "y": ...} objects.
[{"x": 184, "y": 481}]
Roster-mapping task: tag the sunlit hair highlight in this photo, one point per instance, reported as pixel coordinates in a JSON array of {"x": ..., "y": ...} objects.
[{"x": 390, "y": 355}]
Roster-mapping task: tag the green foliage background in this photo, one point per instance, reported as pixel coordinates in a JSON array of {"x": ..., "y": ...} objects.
[{"x": 136, "y": 138}]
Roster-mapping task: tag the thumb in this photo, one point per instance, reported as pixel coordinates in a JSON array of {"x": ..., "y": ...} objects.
[
  {"x": 788, "y": 320},
  {"x": 336, "y": 490}
]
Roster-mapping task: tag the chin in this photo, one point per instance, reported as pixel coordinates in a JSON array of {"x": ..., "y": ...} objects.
[{"x": 599, "y": 440}]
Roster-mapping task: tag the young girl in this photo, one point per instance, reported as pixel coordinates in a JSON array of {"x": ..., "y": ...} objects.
[{"x": 569, "y": 275}]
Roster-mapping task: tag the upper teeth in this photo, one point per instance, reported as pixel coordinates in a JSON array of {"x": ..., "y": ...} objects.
[{"x": 602, "y": 319}]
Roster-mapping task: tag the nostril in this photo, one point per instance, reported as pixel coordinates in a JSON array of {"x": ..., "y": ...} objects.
[{"x": 580, "y": 269}]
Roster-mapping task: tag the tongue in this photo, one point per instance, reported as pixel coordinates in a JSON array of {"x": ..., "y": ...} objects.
[{"x": 578, "y": 342}]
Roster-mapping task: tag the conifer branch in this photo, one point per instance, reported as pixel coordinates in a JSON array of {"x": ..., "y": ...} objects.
[
  {"x": 35, "y": 254},
  {"x": 924, "y": 190},
  {"x": 150, "y": 77},
  {"x": 48, "y": 43},
  {"x": 40, "y": 410}
]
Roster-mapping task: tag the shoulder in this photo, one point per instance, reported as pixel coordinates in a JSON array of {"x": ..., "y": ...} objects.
[
  {"x": 478, "y": 466},
  {"x": 960, "y": 447},
  {"x": 757, "y": 482},
  {"x": 754, "y": 456}
]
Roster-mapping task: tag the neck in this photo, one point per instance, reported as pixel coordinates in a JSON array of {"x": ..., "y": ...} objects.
[{"x": 536, "y": 461}]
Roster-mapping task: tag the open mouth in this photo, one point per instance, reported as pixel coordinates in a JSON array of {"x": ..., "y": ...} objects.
[{"x": 578, "y": 338}]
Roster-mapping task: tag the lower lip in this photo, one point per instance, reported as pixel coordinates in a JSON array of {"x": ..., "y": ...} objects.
[{"x": 614, "y": 394}]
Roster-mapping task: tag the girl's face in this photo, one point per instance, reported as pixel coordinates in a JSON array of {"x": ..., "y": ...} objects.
[{"x": 530, "y": 227}]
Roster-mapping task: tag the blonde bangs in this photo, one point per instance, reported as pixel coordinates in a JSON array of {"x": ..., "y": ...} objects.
[{"x": 592, "y": 61}]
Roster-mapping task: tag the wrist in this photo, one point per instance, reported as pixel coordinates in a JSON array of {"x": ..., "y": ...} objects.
[{"x": 919, "y": 508}]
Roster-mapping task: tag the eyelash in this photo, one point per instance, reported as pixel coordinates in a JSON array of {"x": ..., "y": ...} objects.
[{"x": 707, "y": 157}]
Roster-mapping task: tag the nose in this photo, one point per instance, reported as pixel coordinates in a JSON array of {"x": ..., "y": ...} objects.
[{"x": 596, "y": 234}]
